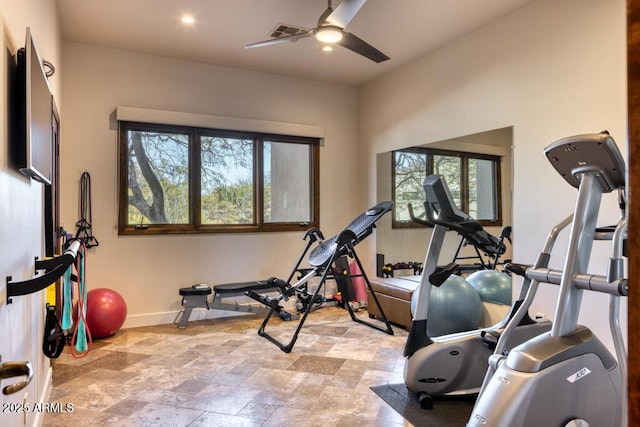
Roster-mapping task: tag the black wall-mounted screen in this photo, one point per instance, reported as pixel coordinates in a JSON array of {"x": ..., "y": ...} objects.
[{"x": 33, "y": 115}]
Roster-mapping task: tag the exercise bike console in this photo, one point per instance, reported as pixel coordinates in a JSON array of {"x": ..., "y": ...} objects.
[{"x": 440, "y": 207}]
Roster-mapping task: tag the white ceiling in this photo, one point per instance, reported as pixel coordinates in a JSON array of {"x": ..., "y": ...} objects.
[{"x": 402, "y": 29}]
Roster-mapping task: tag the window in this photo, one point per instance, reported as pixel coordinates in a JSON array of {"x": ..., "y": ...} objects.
[
  {"x": 473, "y": 179},
  {"x": 193, "y": 180}
]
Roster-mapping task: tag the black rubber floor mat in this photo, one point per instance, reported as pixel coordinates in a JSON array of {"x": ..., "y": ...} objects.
[{"x": 446, "y": 411}]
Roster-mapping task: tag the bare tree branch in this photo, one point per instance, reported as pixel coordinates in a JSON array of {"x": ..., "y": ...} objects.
[
  {"x": 155, "y": 212},
  {"x": 136, "y": 198}
]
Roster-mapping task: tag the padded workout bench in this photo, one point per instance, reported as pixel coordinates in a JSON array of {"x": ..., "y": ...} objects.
[
  {"x": 196, "y": 297},
  {"x": 394, "y": 294}
]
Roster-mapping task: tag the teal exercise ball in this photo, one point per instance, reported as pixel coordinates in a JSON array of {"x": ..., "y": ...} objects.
[
  {"x": 492, "y": 286},
  {"x": 455, "y": 306}
]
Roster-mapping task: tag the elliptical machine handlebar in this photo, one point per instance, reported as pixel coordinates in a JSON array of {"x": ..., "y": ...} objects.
[{"x": 517, "y": 269}]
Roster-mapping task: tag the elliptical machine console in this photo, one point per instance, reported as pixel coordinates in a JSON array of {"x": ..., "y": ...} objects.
[{"x": 595, "y": 154}]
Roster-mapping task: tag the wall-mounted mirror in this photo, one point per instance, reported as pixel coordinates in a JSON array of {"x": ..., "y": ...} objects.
[{"x": 478, "y": 171}]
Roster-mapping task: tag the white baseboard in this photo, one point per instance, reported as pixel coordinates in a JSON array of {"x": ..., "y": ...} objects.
[{"x": 165, "y": 317}]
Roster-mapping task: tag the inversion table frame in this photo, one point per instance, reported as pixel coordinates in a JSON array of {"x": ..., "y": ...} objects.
[{"x": 321, "y": 259}]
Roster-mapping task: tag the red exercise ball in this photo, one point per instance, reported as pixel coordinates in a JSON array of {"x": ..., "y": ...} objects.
[{"x": 106, "y": 312}]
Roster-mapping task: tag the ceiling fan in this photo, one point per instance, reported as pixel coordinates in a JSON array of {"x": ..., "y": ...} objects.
[{"x": 330, "y": 30}]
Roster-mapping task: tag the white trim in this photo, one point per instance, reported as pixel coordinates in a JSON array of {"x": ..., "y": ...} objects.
[
  {"x": 166, "y": 317},
  {"x": 145, "y": 115},
  {"x": 45, "y": 396}
]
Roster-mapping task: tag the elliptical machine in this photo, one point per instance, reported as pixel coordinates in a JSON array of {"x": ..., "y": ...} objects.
[
  {"x": 567, "y": 377},
  {"x": 453, "y": 364}
]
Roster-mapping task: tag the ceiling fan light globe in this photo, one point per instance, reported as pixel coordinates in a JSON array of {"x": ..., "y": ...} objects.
[{"x": 329, "y": 34}]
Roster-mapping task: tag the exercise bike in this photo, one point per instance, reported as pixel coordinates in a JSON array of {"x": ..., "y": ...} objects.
[
  {"x": 453, "y": 364},
  {"x": 567, "y": 377}
]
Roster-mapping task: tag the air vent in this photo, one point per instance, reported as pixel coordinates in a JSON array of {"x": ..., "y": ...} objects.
[{"x": 284, "y": 30}]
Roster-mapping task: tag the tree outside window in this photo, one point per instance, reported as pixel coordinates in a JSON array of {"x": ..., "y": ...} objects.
[
  {"x": 191, "y": 180},
  {"x": 473, "y": 179}
]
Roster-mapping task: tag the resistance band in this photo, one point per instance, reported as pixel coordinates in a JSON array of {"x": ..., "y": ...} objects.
[
  {"x": 85, "y": 233},
  {"x": 81, "y": 333},
  {"x": 67, "y": 298}
]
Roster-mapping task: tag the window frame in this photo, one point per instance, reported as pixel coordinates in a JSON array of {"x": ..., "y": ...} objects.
[
  {"x": 464, "y": 184},
  {"x": 195, "y": 226}
]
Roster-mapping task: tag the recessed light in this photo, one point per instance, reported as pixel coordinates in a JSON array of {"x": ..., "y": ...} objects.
[
  {"x": 188, "y": 20},
  {"x": 327, "y": 48}
]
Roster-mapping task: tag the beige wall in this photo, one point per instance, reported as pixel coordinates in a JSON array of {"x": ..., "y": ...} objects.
[
  {"x": 21, "y": 223},
  {"x": 148, "y": 271},
  {"x": 552, "y": 69}
]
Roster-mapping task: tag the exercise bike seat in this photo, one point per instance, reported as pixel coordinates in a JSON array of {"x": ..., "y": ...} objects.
[{"x": 241, "y": 288}]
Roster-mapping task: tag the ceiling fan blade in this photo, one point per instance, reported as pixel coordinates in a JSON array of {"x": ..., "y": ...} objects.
[
  {"x": 361, "y": 47},
  {"x": 279, "y": 40},
  {"x": 344, "y": 12}
]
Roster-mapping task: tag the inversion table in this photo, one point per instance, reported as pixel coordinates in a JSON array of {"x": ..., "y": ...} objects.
[{"x": 321, "y": 259}]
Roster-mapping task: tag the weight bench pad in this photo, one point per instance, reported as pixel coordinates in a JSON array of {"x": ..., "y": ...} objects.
[
  {"x": 241, "y": 288},
  {"x": 195, "y": 291}
]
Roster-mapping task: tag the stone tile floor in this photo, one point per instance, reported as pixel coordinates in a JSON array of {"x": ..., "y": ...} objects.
[{"x": 219, "y": 372}]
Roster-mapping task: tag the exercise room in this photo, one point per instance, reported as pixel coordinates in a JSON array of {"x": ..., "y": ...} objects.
[{"x": 318, "y": 213}]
